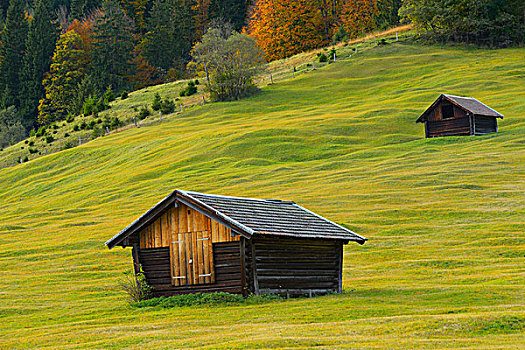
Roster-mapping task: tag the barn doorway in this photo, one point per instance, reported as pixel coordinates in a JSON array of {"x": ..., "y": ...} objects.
[{"x": 191, "y": 256}]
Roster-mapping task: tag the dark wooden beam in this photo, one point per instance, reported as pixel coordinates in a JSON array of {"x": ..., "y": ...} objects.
[
  {"x": 242, "y": 247},
  {"x": 254, "y": 272}
]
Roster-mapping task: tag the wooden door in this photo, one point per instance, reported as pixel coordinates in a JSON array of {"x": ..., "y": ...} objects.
[{"x": 191, "y": 258}]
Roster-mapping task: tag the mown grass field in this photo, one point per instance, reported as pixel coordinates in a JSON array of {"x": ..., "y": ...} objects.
[{"x": 444, "y": 266}]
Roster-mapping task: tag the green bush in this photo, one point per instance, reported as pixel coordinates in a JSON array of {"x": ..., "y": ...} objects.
[
  {"x": 76, "y": 127},
  {"x": 136, "y": 287},
  {"x": 70, "y": 118},
  {"x": 33, "y": 150},
  {"x": 50, "y": 139},
  {"x": 69, "y": 144},
  {"x": 26, "y": 159},
  {"x": 124, "y": 95},
  {"x": 83, "y": 125},
  {"x": 31, "y": 143},
  {"x": 167, "y": 106},
  {"x": 157, "y": 102},
  {"x": 144, "y": 113},
  {"x": 97, "y": 131},
  {"x": 322, "y": 57},
  {"x": 41, "y": 131},
  {"x": 89, "y": 106},
  {"x": 109, "y": 96},
  {"x": 66, "y": 134},
  {"x": 189, "y": 90}
]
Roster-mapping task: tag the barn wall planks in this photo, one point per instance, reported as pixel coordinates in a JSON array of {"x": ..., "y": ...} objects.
[
  {"x": 155, "y": 263},
  {"x": 180, "y": 220},
  {"x": 290, "y": 266},
  {"x": 449, "y": 127},
  {"x": 485, "y": 125}
]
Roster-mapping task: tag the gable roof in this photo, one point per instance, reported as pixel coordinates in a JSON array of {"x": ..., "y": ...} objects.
[
  {"x": 469, "y": 104},
  {"x": 246, "y": 216}
]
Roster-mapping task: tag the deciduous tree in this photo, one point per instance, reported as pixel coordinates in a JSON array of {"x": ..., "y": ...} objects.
[
  {"x": 231, "y": 61},
  {"x": 285, "y": 27},
  {"x": 61, "y": 84}
]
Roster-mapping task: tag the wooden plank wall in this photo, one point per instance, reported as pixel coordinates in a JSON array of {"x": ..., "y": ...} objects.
[
  {"x": 449, "y": 127},
  {"x": 289, "y": 266},
  {"x": 180, "y": 220},
  {"x": 485, "y": 125},
  {"x": 226, "y": 255}
]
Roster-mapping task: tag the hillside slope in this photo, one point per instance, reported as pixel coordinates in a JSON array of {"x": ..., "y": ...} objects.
[{"x": 445, "y": 217}]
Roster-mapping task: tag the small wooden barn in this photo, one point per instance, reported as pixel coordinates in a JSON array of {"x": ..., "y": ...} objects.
[
  {"x": 193, "y": 242},
  {"x": 458, "y": 116}
]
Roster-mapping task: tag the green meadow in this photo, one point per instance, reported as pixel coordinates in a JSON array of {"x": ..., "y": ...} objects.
[{"x": 444, "y": 267}]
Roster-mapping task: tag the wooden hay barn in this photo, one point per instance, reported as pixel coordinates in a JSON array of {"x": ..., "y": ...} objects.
[
  {"x": 193, "y": 242},
  {"x": 458, "y": 116}
]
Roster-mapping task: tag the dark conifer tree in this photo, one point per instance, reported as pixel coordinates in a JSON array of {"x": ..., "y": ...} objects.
[
  {"x": 233, "y": 11},
  {"x": 111, "y": 52},
  {"x": 171, "y": 34},
  {"x": 12, "y": 51},
  {"x": 40, "y": 45}
]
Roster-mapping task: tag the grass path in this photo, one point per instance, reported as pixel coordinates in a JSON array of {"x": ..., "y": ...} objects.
[{"x": 444, "y": 266}]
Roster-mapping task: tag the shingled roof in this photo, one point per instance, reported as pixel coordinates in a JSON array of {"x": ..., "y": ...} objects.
[
  {"x": 469, "y": 104},
  {"x": 248, "y": 216}
]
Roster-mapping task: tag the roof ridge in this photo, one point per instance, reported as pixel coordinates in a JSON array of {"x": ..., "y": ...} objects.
[{"x": 236, "y": 197}]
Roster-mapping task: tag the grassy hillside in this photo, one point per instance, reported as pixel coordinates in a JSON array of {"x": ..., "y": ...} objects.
[{"x": 444, "y": 265}]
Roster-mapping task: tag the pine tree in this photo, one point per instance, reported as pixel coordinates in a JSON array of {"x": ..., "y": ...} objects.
[
  {"x": 158, "y": 46},
  {"x": 40, "y": 44},
  {"x": 232, "y": 11},
  {"x": 12, "y": 51},
  {"x": 111, "y": 50},
  {"x": 62, "y": 82}
]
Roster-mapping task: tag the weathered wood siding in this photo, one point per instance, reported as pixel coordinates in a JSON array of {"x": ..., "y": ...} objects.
[
  {"x": 189, "y": 236},
  {"x": 290, "y": 266},
  {"x": 437, "y": 125},
  {"x": 181, "y": 220},
  {"x": 156, "y": 265},
  {"x": 485, "y": 125},
  {"x": 448, "y": 127}
]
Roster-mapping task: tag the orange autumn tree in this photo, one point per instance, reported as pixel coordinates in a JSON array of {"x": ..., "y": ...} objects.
[
  {"x": 283, "y": 28},
  {"x": 358, "y": 16}
]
